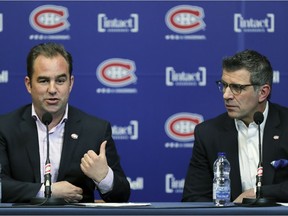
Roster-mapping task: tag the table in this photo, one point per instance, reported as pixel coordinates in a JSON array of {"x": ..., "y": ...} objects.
[{"x": 156, "y": 208}]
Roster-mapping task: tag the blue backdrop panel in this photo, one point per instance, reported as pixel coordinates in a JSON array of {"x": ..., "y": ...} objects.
[{"x": 149, "y": 67}]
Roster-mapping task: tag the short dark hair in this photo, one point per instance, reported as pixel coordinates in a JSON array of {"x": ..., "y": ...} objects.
[
  {"x": 49, "y": 50},
  {"x": 258, "y": 65}
]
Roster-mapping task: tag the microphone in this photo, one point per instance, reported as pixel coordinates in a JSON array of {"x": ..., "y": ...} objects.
[
  {"x": 47, "y": 200},
  {"x": 260, "y": 200},
  {"x": 258, "y": 119},
  {"x": 47, "y": 119}
]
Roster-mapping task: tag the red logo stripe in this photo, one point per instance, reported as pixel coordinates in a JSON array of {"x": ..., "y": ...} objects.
[{"x": 60, "y": 13}]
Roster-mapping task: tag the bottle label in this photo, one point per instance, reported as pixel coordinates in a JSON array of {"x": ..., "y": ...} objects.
[{"x": 222, "y": 193}]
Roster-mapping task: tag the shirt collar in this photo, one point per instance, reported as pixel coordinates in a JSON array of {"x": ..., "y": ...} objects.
[
  {"x": 238, "y": 123},
  {"x": 64, "y": 119}
]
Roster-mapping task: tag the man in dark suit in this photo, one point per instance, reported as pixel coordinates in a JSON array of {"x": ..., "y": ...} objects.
[
  {"x": 82, "y": 152},
  {"x": 246, "y": 85}
]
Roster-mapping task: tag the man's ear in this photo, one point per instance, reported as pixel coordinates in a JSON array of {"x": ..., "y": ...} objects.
[
  {"x": 28, "y": 84},
  {"x": 264, "y": 92},
  {"x": 71, "y": 82}
]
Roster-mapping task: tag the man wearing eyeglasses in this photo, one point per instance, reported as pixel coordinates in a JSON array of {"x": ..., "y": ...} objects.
[{"x": 246, "y": 84}]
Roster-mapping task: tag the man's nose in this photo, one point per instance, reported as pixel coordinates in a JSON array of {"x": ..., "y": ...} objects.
[
  {"x": 227, "y": 93},
  {"x": 52, "y": 88}
]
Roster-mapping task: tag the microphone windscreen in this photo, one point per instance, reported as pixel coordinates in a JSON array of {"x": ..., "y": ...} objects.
[
  {"x": 258, "y": 117},
  {"x": 47, "y": 118}
]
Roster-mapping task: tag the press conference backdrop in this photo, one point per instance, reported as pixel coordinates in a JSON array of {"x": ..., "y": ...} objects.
[{"x": 149, "y": 67}]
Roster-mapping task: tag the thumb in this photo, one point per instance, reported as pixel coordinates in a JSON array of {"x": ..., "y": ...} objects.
[{"x": 103, "y": 148}]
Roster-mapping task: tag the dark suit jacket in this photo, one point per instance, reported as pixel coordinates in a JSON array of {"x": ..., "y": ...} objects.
[
  {"x": 19, "y": 156},
  {"x": 220, "y": 135}
]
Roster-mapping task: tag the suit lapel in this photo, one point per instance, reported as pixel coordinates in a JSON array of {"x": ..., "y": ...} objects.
[
  {"x": 30, "y": 138},
  {"x": 270, "y": 143},
  {"x": 70, "y": 142}
]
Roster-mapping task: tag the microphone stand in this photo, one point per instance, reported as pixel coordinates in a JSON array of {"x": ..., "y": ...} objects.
[
  {"x": 260, "y": 200},
  {"x": 47, "y": 200}
]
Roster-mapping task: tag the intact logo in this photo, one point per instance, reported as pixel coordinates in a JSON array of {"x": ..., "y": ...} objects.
[
  {"x": 254, "y": 25},
  {"x": 129, "y": 132},
  {"x": 116, "y": 72},
  {"x": 49, "y": 19},
  {"x": 1, "y": 22},
  {"x": 137, "y": 184},
  {"x": 276, "y": 76},
  {"x": 174, "y": 78},
  {"x": 180, "y": 126},
  {"x": 173, "y": 185},
  {"x": 185, "y": 19},
  {"x": 114, "y": 25},
  {"x": 4, "y": 76}
]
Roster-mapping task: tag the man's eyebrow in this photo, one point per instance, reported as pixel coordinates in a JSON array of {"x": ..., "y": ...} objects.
[
  {"x": 61, "y": 75},
  {"x": 42, "y": 77},
  {"x": 46, "y": 77}
]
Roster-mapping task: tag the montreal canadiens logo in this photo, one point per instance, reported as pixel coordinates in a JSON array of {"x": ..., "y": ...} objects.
[
  {"x": 49, "y": 19},
  {"x": 180, "y": 126},
  {"x": 185, "y": 19},
  {"x": 116, "y": 72}
]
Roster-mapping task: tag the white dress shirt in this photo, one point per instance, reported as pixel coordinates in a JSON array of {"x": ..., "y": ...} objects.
[
  {"x": 56, "y": 137},
  {"x": 248, "y": 146}
]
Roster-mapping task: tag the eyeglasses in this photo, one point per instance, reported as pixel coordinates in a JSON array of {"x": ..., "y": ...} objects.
[{"x": 236, "y": 89}]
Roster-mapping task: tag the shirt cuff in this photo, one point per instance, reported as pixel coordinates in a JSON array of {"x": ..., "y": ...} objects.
[
  {"x": 106, "y": 184},
  {"x": 41, "y": 192}
]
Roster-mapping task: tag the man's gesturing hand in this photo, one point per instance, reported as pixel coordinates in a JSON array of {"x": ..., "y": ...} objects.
[
  {"x": 95, "y": 166},
  {"x": 66, "y": 190}
]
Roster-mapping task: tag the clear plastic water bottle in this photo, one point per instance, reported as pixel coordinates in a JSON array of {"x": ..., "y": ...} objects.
[{"x": 221, "y": 181}]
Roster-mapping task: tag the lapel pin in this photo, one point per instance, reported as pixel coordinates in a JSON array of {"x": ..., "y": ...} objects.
[
  {"x": 74, "y": 136},
  {"x": 276, "y": 137}
]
